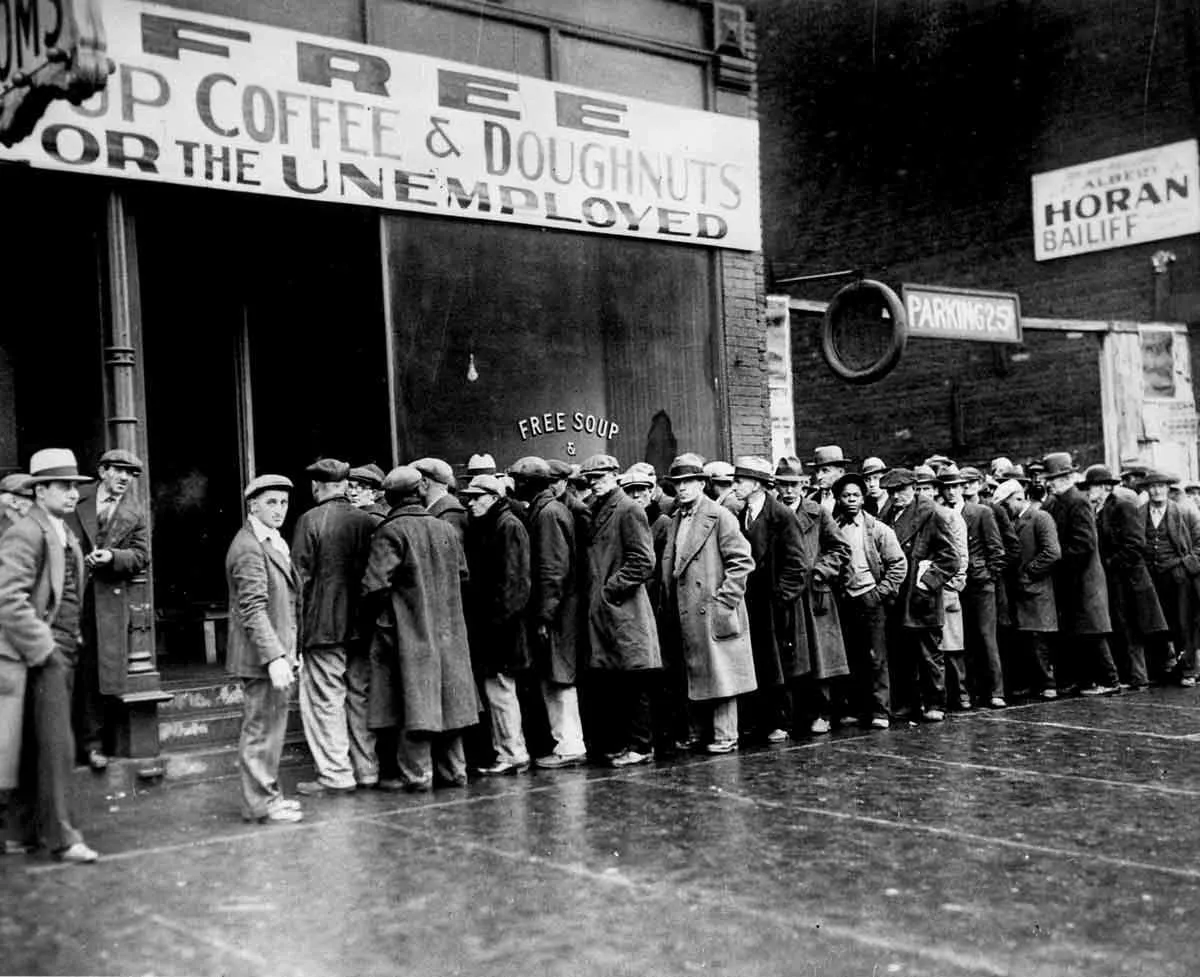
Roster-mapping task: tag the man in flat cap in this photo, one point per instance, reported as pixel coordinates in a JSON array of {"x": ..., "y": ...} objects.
[
  {"x": 41, "y": 609},
  {"x": 421, "y": 681},
  {"x": 1173, "y": 544},
  {"x": 330, "y": 546},
  {"x": 16, "y": 498},
  {"x": 264, "y": 612},
  {"x": 364, "y": 489},
  {"x": 111, "y": 526},
  {"x": 625, "y": 653},
  {"x": 436, "y": 480}
]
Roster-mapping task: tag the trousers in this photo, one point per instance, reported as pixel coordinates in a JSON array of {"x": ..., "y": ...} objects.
[
  {"x": 333, "y": 707},
  {"x": 260, "y": 746}
]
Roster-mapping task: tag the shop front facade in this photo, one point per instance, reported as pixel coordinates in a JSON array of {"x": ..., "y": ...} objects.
[{"x": 378, "y": 231}]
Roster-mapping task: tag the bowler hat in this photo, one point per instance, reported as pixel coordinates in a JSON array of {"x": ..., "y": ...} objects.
[
  {"x": 120, "y": 458},
  {"x": 1159, "y": 478},
  {"x": 756, "y": 467},
  {"x": 483, "y": 464},
  {"x": 54, "y": 465},
  {"x": 873, "y": 466},
  {"x": 484, "y": 485},
  {"x": 850, "y": 478},
  {"x": 828, "y": 454},
  {"x": 328, "y": 470},
  {"x": 1057, "y": 463},
  {"x": 558, "y": 469},
  {"x": 789, "y": 471},
  {"x": 365, "y": 476},
  {"x": 719, "y": 471},
  {"x": 635, "y": 476},
  {"x": 596, "y": 465},
  {"x": 685, "y": 466},
  {"x": 17, "y": 483},
  {"x": 530, "y": 467},
  {"x": 898, "y": 478},
  {"x": 1099, "y": 475},
  {"x": 434, "y": 469},
  {"x": 402, "y": 479},
  {"x": 266, "y": 482}
]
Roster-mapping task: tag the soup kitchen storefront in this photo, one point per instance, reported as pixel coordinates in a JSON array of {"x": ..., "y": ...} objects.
[{"x": 258, "y": 245}]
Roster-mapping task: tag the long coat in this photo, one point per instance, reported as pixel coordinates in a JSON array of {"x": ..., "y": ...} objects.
[
  {"x": 1080, "y": 588},
  {"x": 924, "y": 536},
  {"x": 820, "y": 650},
  {"x": 1012, "y": 553},
  {"x": 953, "y": 629},
  {"x": 450, "y": 510},
  {"x": 32, "y": 574},
  {"x": 774, "y": 586},
  {"x": 498, "y": 591},
  {"x": 421, "y": 675},
  {"x": 704, "y": 584},
  {"x": 1031, "y": 581},
  {"x": 554, "y": 600},
  {"x": 264, "y": 605},
  {"x": 1132, "y": 600},
  {"x": 128, "y": 538},
  {"x": 329, "y": 551},
  {"x": 620, "y": 559}
]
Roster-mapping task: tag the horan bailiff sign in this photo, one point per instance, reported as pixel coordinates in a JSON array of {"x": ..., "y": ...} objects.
[
  {"x": 1112, "y": 203},
  {"x": 939, "y": 312}
]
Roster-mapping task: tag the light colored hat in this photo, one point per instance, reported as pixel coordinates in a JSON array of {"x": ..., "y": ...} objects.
[
  {"x": 828, "y": 454},
  {"x": 635, "y": 476},
  {"x": 484, "y": 485},
  {"x": 17, "y": 484},
  {"x": 598, "y": 465},
  {"x": 873, "y": 466},
  {"x": 719, "y": 471},
  {"x": 645, "y": 468},
  {"x": 1007, "y": 488},
  {"x": 686, "y": 466},
  {"x": 435, "y": 469},
  {"x": 925, "y": 475},
  {"x": 481, "y": 465},
  {"x": 756, "y": 467},
  {"x": 999, "y": 466},
  {"x": 54, "y": 465},
  {"x": 1058, "y": 463},
  {"x": 403, "y": 479},
  {"x": 266, "y": 482}
]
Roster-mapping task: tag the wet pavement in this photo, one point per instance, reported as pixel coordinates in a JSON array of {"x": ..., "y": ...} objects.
[{"x": 1047, "y": 839}]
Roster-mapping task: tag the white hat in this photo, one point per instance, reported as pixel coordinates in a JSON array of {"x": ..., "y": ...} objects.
[{"x": 1008, "y": 487}]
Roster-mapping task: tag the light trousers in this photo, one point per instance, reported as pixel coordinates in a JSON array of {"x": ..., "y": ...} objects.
[
  {"x": 562, "y": 710},
  {"x": 508, "y": 739},
  {"x": 333, "y": 706}
]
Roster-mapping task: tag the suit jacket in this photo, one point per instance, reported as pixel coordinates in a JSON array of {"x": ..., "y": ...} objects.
[
  {"x": 925, "y": 537},
  {"x": 330, "y": 545},
  {"x": 1080, "y": 587},
  {"x": 1183, "y": 532},
  {"x": 264, "y": 605},
  {"x": 986, "y": 558},
  {"x": 116, "y": 586}
]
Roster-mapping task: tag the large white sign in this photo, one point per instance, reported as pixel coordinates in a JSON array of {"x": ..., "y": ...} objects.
[
  {"x": 208, "y": 101},
  {"x": 1115, "y": 202}
]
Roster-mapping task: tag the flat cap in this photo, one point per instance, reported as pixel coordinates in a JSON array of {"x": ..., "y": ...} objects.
[
  {"x": 403, "y": 478},
  {"x": 17, "y": 484},
  {"x": 483, "y": 464},
  {"x": 435, "y": 469},
  {"x": 328, "y": 470},
  {"x": 719, "y": 471},
  {"x": 559, "y": 469},
  {"x": 120, "y": 458},
  {"x": 484, "y": 485},
  {"x": 599, "y": 464},
  {"x": 366, "y": 475},
  {"x": 898, "y": 478},
  {"x": 635, "y": 476},
  {"x": 530, "y": 466},
  {"x": 266, "y": 482}
]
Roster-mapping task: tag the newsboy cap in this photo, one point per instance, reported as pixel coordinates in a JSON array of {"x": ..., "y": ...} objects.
[
  {"x": 402, "y": 479},
  {"x": 328, "y": 470},
  {"x": 266, "y": 482},
  {"x": 365, "y": 475},
  {"x": 559, "y": 469},
  {"x": 120, "y": 458},
  {"x": 898, "y": 478},
  {"x": 435, "y": 469},
  {"x": 17, "y": 483},
  {"x": 55, "y": 465},
  {"x": 635, "y": 476},
  {"x": 598, "y": 465},
  {"x": 484, "y": 485},
  {"x": 530, "y": 467}
]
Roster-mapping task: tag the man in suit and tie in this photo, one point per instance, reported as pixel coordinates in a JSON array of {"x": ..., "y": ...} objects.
[
  {"x": 41, "y": 607},
  {"x": 112, "y": 530},
  {"x": 264, "y": 607}
]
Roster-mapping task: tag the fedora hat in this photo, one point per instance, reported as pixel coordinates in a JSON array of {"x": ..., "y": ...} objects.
[
  {"x": 828, "y": 454},
  {"x": 1008, "y": 487},
  {"x": 789, "y": 471},
  {"x": 719, "y": 471},
  {"x": 686, "y": 466},
  {"x": 924, "y": 475},
  {"x": 483, "y": 464},
  {"x": 1153, "y": 477},
  {"x": 756, "y": 467},
  {"x": 948, "y": 477},
  {"x": 1058, "y": 463},
  {"x": 1099, "y": 475},
  {"x": 54, "y": 465},
  {"x": 873, "y": 466}
]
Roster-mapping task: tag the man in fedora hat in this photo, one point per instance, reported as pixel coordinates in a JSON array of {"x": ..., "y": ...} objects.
[
  {"x": 330, "y": 545},
  {"x": 828, "y": 465},
  {"x": 705, "y": 563},
  {"x": 790, "y": 482},
  {"x": 16, "y": 497},
  {"x": 1080, "y": 589},
  {"x": 264, "y": 621},
  {"x": 875, "y": 497},
  {"x": 1132, "y": 601},
  {"x": 41, "y": 616},
  {"x": 1173, "y": 547},
  {"x": 772, "y": 590},
  {"x": 111, "y": 527}
]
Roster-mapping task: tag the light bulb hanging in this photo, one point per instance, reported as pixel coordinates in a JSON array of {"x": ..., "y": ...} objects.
[{"x": 472, "y": 373}]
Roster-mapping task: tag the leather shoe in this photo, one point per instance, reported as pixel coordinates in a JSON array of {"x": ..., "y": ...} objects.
[
  {"x": 277, "y": 814},
  {"x": 78, "y": 853},
  {"x": 389, "y": 784},
  {"x": 97, "y": 760},
  {"x": 502, "y": 769},
  {"x": 630, "y": 758},
  {"x": 556, "y": 761},
  {"x": 314, "y": 788},
  {"x": 722, "y": 746}
]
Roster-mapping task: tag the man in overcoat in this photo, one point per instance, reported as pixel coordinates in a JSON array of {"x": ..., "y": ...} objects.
[
  {"x": 364, "y": 489},
  {"x": 329, "y": 551},
  {"x": 915, "y": 620},
  {"x": 41, "y": 606},
  {"x": 16, "y": 498},
  {"x": 1080, "y": 588},
  {"x": 1032, "y": 610},
  {"x": 112, "y": 530},
  {"x": 1173, "y": 548},
  {"x": 421, "y": 677},
  {"x": 1133, "y": 603},
  {"x": 789, "y": 482},
  {"x": 773, "y": 591},
  {"x": 496, "y": 600},
  {"x": 264, "y": 618},
  {"x": 973, "y": 492},
  {"x": 872, "y": 577},
  {"x": 828, "y": 465},
  {"x": 436, "y": 479},
  {"x": 623, "y": 638},
  {"x": 553, "y": 610},
  {"x": 705, "y": 563}
]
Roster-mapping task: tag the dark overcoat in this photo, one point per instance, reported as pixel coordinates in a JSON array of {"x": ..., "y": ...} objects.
[
  {"x": 497, "y": 593},
  {"x": 703, "y": 583},
  {"x": 450, "y": 510},
  {"x": 330, "y": 545},
  {"x": 1133, "y": 601},
  {"x": 986, "y": 558},
  {"x": 554, "y": 599},
  {"x": 421, "y": 677},
  {"x": 820, "y": 650},
  {"x": 1080, "y": 587},
  {"x": 620, "y": 559},
  {"x": 1012, "y": 553},
  {"x": 924, "y": 535},
  {"x": 108, "y": 625},
  {"x": 1030, "y": 579},
  {"x": 775, "y": 584},
  {"x": 264, "y": 605}
]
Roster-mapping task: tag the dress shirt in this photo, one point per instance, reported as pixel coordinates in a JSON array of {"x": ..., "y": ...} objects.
[{"x": 265, "y": 534}]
